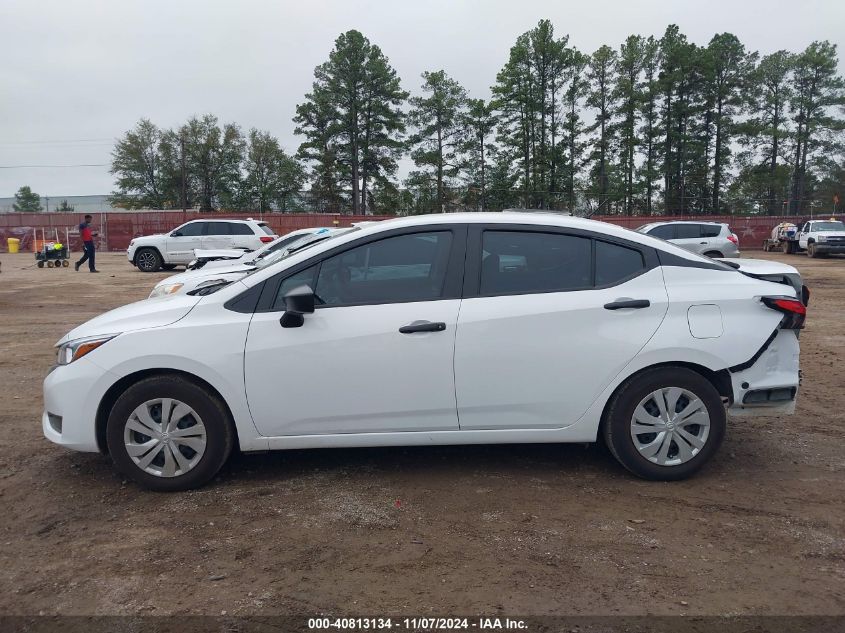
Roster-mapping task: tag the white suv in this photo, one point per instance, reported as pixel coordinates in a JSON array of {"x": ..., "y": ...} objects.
[
  {"x": 168, "y": 250},
  {"x": 464, "y": 328}
]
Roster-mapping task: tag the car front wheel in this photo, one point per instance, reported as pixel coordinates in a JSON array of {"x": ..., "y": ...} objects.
[
  {"x": 665, "y": 423},
  {"x": 148, "y": 260},
  {"x": 168, "y": 433}
]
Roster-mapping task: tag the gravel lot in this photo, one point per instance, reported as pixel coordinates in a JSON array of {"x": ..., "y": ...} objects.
[{"x": 460, "y": 530}]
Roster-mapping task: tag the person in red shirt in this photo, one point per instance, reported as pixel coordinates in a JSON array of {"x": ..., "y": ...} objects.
[{"x": 87, "y": 236}]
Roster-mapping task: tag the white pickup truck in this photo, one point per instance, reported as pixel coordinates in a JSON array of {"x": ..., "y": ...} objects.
[{"x": 822, "y": 237}]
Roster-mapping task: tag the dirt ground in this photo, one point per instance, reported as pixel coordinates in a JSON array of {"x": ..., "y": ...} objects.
[{"x": 524, "y": 530}]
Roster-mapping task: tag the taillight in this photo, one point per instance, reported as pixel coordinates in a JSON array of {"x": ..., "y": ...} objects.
[
  {"x": 794, "y": 312},
  {"x": 733, "y": 238},
  {"x": 266, "y": 239}
]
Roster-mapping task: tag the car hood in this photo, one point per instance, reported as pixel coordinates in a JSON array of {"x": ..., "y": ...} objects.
[
  {"x": 148, "y": 238},
  {"x": 235, "y": 270},
  {"x": 142, "y": 315},
  {"x": 831, "y": 233}
]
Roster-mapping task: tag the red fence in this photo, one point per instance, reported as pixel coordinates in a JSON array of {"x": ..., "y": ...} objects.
[{"x": 116, "y": 229}]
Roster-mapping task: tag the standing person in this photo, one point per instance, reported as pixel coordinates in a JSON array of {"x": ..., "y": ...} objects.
[{"x": 87, "y": 236}]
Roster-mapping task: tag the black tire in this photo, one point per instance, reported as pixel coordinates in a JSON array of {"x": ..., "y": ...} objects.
[
  {"x": 148, "y": 260},
  {"x": 713, "y": 254},
  {"x": 219, "y": 434},
  {"x": 40, "y": 263},
  {"x": 616, "y": 424},
  {"x": 811, "y": 250}
]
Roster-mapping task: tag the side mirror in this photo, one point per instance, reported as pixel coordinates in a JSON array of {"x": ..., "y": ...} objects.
[
  {"x": 298, "y": 302},
  {"x": 176, "y": 234}
]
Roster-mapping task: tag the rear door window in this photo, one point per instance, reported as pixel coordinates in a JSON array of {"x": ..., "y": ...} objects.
[
  {"x": 218, "y": 228},
  {"x": 687, "y": 231},
  {"x": 711, "y": 230},
  {"x": 527, "y": 262}
]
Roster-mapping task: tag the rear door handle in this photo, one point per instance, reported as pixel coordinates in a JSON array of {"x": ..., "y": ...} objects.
[
  {"x": 422, "y": 326},
  {"x": 627, "y": 303}
]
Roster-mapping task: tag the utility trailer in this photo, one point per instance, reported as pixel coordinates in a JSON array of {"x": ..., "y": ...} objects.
[{"x": 784, "y": 238}]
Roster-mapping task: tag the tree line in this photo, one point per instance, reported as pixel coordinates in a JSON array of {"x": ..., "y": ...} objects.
[{"x": 655, "y": 125}]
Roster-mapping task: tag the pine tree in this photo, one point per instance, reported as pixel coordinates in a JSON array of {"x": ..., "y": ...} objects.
[
  {"x": 352, "y": 116},
  {"x": 818, "y": 91},
  {"x": 479, "y": 122},
  {"x": 628, "y": 93},
  {"x": 728, "y": 69},
  {"x": 440, "y": 130},
  {"x": 601, "y": 74}
]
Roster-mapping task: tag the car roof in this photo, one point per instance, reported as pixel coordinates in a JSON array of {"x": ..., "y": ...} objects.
[
  {"x": 224, "y": 220},
  {"x": 688, "y": 222}
]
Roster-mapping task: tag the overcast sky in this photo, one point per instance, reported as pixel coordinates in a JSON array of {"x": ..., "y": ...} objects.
[{"x": 75, "y": 75}]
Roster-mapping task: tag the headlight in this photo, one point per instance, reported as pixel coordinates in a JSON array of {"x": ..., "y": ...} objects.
[
  {"x": 165, "y": 289},
  {"x": 822, "y": 238},
  {"x": 74, "y": 350}
]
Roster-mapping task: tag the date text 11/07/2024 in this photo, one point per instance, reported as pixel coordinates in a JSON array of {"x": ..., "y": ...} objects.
[{"x": 417, "y": 624}]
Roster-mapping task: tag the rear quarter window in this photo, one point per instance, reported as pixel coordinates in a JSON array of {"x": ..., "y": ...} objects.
[
  {"x": 711, "y": 230},
  {"x": 615, "y": 263},
  {"x": 264, "y": 227}
]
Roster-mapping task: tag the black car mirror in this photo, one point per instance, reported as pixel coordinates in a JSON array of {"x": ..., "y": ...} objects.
[{"x": 298, "y": 302}]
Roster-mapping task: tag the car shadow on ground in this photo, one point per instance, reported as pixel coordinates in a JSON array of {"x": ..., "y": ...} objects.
[{"x": 410, "y": 461}]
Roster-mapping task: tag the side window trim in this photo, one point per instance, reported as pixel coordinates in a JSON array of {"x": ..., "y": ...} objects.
[
  {"x": 472, "y": 272},
  {"x": 451, "y": 285}
]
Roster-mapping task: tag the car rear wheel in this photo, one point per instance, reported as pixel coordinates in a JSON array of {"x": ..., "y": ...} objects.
[
  {"x": 168, "y": 433},
  {"x": 148, "y": 260},
  {"x": 665, "y": 423}
]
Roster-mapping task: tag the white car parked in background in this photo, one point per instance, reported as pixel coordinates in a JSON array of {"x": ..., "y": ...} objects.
[
  {"x": 443, "y": 329},
  {"x": 229, "y": 271},
  {"x": 215, "y": 258},
  {"x": 168, "y": 250}
]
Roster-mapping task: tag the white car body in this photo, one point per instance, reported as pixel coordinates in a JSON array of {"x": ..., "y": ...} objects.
[
  {"x": 232, "y": 270},
  {"x": 507, "y": 366},
  {"x": 218, "y": 258},
  {"x": 176, "y": 248}
]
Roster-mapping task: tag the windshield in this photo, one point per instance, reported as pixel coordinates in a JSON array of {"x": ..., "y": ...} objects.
[
  {"x": 306, "y": 241},
  {"x": 828, "y": 226}
]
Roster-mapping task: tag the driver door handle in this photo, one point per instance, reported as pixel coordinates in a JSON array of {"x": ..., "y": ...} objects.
[
  {"x": 422, "y": 326},
  {"x": 627, "y": 303}
]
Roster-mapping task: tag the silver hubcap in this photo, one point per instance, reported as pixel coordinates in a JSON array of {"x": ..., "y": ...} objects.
[
  {"x": 146, "y": 260},
  {"x": 670, "y": 426},
  {"x": 165, "y": 437}
]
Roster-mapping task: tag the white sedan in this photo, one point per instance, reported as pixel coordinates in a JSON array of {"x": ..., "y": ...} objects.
[
  {"x": 216, "y": 258},
  {"x": 449, "y": 329},
  {"x": 225, "y": 272}
]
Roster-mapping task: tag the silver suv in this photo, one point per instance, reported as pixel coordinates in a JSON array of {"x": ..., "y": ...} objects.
[{"x": 712, "y": 239}]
